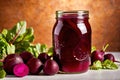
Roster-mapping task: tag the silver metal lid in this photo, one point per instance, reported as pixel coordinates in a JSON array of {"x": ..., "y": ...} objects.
[{"x": 80, "y": 13}]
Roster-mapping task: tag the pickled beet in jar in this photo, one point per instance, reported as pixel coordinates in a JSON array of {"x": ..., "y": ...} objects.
[{"x": 72, "y": 41}]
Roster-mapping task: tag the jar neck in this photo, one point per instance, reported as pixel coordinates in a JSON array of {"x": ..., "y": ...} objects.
[{"x": 80, "y": 14}]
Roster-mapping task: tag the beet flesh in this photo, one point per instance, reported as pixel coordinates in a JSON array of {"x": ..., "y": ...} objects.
[{"x": 21, "y": 70}]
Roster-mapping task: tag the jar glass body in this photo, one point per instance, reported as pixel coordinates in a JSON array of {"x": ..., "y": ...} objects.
[{"x": 72, "y": 41}]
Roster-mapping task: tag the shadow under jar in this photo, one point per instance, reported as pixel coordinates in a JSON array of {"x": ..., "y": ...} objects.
[{"x": 72, "y": 41}]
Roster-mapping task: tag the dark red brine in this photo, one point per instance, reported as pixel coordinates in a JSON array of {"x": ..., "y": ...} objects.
[{"x": 72, "y": 41}]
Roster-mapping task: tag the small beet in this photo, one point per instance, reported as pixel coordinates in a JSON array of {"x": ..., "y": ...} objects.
[
  {"x": 26, "y": 56},
  {"x": 110, "y": 57},
  {"x": 50, "y": 67},
  {"x": 43, "y": 57},
  {"x": 35, "y": 65},
  {"x": 97, "y": 55},
  {"x": 21, "y": 70}
]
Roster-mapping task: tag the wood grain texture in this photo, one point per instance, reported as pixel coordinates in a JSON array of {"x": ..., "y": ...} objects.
[{"x": 40, "y": 14}]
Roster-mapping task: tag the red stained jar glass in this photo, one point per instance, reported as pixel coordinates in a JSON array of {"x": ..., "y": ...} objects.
[{"x": 72, "y": 41}]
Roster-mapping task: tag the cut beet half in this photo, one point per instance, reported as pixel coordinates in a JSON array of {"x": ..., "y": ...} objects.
[{"x": 21, "y": 70}]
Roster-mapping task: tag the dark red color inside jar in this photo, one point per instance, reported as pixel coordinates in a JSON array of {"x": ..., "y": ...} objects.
[{"x": 72, "y": 41}]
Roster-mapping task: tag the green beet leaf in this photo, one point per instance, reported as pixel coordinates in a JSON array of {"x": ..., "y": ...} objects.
[
  {"x": 19, "y": 39},
  {"x": 108, "y": 64},
  {"x": 10, "y": 48},
  {"x": 37, "y": 49},
  {"x": 96, "y": 65},
  {"x": 34, "y": 49},
  {"x": 4, "y": 33},
  {"x": 2, "y": 52},
  {"x": 50, "y": 51},
  {"x": 16, "y": 31},
  {"x": 10, "y": 38},
  {"x": 21, "y": 46},
  {"x": 3, "y": 46},
  {"x": 43, "y": 48},
  {"x": 93, "y": 49},
  {"x": 27, "y": 36},
  {"x": 1, "y": 64},
  {"x": 2, "y": 73}
]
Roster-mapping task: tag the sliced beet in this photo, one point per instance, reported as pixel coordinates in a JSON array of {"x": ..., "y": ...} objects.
[{"x": 21, "y": 70}]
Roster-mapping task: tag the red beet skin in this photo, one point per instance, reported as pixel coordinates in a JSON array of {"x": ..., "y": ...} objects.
[
  {"x": 26, "y": 56},
  {"x": 35, "y": 65},
  {"x": 97, "y": 55},
  {"x": 50, "y": 67},
  {"x": 21, "y": 70},
  {"x": 10, "y": 61},
  {"x": 43, "y": 57}
]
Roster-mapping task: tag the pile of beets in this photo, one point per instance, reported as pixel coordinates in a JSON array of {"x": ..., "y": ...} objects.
[{"x": 25, "y": 63}]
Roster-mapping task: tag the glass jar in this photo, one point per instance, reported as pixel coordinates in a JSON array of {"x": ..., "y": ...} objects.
[{"x": 72, "y": 41}]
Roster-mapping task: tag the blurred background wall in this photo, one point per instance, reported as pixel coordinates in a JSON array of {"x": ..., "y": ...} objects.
[{"x": 40, "y": 14}]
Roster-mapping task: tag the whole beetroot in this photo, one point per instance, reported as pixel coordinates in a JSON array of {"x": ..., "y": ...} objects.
[
  {"x": 10, "y": 61},
  {"x": 97, "y": 55},
  {"x": 26, "y": 56},
  {"x": 50, "y": 67},
  {"x": 35, "y": 66}
]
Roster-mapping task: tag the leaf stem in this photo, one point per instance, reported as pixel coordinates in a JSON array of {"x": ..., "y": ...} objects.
[
  {"x": 117, "y": 61},
  {"x": 15, "y": 37},
  {"x": 105, "y": 47}
]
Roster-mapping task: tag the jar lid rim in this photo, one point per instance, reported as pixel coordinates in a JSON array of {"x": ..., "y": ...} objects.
[{"x": 73, "y": 11}]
